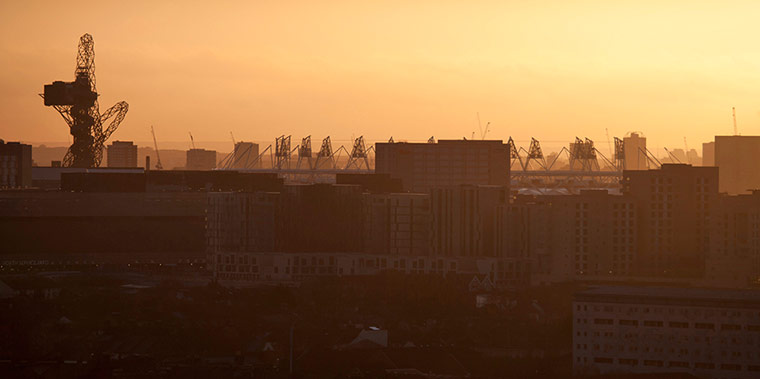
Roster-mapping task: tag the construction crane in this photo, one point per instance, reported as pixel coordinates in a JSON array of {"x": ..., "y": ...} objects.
[
  {"x": 482, "y": 131},
  {"x": 192, "y": 141},
  {"x": 733, "y": 113},
  {"x": 77, "y": 103},
  {"x": 233, "y": 139},
  {"x": 609, "y": 143},
  {"x": 159, "y": 166}
]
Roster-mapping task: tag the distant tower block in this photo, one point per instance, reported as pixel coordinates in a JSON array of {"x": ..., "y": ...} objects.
[
  {"x": 122, "y": 154},
  {"x": 245, "y": 154},
  {"x": 635, "y": 147}
]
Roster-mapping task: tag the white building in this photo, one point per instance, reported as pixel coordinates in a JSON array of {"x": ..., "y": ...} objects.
[{"x": 708, "y": 333}]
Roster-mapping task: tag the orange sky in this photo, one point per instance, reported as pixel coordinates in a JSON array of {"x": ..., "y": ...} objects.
[{"x": 410, "y": 69}]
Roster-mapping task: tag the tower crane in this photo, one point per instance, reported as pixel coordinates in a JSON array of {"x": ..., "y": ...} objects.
[
  {"x": 192, "y": 141},
  {"x": 159, "y": 166}
]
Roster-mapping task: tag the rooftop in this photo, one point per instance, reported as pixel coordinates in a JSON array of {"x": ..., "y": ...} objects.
[{"x": 671, "y": 294}]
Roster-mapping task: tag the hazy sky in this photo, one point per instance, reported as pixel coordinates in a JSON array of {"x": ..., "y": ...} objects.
[{"x": 410, "y": 69}]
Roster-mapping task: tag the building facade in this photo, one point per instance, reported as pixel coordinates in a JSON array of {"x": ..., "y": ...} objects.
[
  {"x": 246, "y": 155},
  {"x": 706, "y": 333},
  {"x": 635, "y": 150},
  {"x": 15, "y": 165},
  {"x": 737, "y": 158},
  {"x": 201, "y": 159},
  {"x": 423, "y": 166},
  {"x": 397, "y": 224},
  {"x": 122, "y": 154},
  {"x": 676, "y": 205}
]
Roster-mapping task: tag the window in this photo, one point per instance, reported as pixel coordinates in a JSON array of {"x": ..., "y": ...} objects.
[
  {"x": 631, "y": 362},
  {"x": 603, "y": 321},
  {"x": 730, "y": 327},
  {"x": 602, "y": 360},
  {"x": 731, "y": 367},
  {"x": 704, "y": 325},
  {"x": 653, "y": 323},
  {"x": 653, "y": 363},
  {"x": 628, "y": 322},
  {"x": 678, "y": 364},
  {"x": 678, "y": 324},
  {"x": 704, "y": 365}
]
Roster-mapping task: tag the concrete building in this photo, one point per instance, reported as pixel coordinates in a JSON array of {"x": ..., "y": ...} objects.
[
  {"x": 590, "y": 236},
  {"x": 397, "y": 224},
  {"x": 635, "y": 147},
  {"x": 734, "y": 257},
  {"x": 423, "y": 166},
  {"x": 15, "y": 165},
  {"x": 464, "y": 219},
  {"x": 59, "y": 226},
  {"x": 636, "y": 330},
  {"x": 122, "y": 154},
  {"x": 201, "y": 159},
  {"x": 737, "y": 158},
  {"x": 245, "y": 155},
  {"x": 251, "y": 269},
  {"x": 675, "y": 206},
  {"x": 708, "y": 154}
]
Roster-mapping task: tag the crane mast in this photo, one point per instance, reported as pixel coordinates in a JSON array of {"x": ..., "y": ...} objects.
[
  {"x": 733, "y": 113},
  {"x": 159, "y": 166}
]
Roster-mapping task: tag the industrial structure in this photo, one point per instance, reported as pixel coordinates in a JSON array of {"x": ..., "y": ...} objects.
[{"x": 77, "y": 102}]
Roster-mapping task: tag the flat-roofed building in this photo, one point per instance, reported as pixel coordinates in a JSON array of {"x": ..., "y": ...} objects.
[
  {"x": 15, "y": 165},
  {"x": 737, "y": 158},
  {"x": 201, "y": 159},
  {"x": 245, "y": 155},
  {"x": 708, "y": 153},
  {"x": 675, "y": 209},
  {"x": 397, "y": 224},
  {"x": 708, "y": 333},
  {"x": 122, "y": 154},
  {"x": 464, "y": 219},
  {"x": 635, "y": 148},
  {"x": 423, "y": 166}
]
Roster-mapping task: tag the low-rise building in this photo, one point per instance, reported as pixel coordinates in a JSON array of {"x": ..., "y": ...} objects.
[{"x": 709, "y": 333}]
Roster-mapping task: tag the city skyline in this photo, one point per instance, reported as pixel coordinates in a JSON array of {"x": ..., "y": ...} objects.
[{"x": 405, "y": 70}]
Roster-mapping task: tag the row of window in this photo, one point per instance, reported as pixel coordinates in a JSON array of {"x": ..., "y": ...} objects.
[
  {"x": 676, "y": 324},
  {"x": 678, "y": 364}
]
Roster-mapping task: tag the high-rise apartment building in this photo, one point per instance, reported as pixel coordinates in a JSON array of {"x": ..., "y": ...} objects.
[
  {"x": 15, "y": 165},
  {"x": 734, "y": 257},
  {"x": 122, "y": 154},
  {"x": 423, "y": 166},
  {"x": 737, "y": 158},
  {"x": 654, "y": 330},
  {"x": 245, "y": 155},
  {"x": 397, "y": 224},
  {"x": 635, "y": 147},
  {"x": 588, "y": 236},
  {"x": 708, "y": 154},
  {"x": 464, "y": 219},
  {"x": 675, "y": 209},
  {"x": 201, "y": 159}
]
